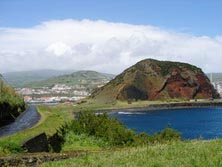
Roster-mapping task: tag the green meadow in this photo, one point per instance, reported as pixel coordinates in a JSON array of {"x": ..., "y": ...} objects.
[{"x": 194, "y": 153}]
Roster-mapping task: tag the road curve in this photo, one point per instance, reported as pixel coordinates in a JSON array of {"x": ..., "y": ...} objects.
[{"x": 25, "y": 120}]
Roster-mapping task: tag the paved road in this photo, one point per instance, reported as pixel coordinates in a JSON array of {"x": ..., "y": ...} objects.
[{"x": 25, "y": 120}]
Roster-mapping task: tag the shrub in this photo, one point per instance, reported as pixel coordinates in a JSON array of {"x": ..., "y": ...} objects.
[
  {"x": 10, "y": 147},
  {"x": 102, "y": 126},
  {"x": 167, "y": 134},
  {"x": 113, "y": 132}
]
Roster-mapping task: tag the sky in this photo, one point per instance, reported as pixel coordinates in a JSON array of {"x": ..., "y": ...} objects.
[{"x": 108, "y": 36}]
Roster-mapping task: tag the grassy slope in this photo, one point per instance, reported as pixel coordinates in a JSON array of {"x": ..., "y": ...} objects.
[
  {"x": 51, "y": 119},
  {"x": 11, "y": 103},
  {"x": 76, "y": 78},
  {"x": 175, "y": 154}
]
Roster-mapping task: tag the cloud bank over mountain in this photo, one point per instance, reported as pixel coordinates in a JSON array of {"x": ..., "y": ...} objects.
[{"x": 102, "y": 46}]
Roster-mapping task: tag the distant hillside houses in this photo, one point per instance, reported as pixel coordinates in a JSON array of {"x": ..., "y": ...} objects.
[
  {"x": 61, "y": 87},
  {"x": 58, "y": 93},
  {"x": 81, "y": 93},
  {"x": 57, "y": 99}
]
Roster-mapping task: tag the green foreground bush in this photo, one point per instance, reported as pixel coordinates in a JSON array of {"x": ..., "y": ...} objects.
[{"x": 111, "y": 131}]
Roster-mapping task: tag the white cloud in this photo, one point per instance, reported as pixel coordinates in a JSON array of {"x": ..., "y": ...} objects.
[
  {"x": 103, "y": 46},
  {"x": 59, "y": 49}
]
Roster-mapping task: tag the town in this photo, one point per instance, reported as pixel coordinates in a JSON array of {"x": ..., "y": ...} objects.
[{"x": 56, "y": 94}]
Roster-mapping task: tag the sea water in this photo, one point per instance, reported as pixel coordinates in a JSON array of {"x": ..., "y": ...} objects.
[{"x": 193, "y": 123}]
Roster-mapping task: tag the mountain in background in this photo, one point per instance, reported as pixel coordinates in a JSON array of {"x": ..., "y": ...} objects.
[
  {"x": 19, "y": 79},
  {"x": 157, "y": 80},
  {"x": 84, "y": 78}
]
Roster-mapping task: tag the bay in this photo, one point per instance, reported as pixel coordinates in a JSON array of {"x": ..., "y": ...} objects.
[{"x": 193, "y": 123}]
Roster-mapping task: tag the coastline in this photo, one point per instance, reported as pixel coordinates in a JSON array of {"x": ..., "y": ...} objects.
[{"x": 165, "y": 106}]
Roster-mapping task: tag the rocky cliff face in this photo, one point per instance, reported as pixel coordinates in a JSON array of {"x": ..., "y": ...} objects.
[{"x": 157, "y": 80}]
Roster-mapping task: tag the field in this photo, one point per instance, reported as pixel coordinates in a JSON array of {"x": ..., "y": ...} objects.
[{"x": 173, "y": 154}]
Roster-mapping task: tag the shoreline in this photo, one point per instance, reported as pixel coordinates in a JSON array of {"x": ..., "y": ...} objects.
[{"x": 165, "y": 106}]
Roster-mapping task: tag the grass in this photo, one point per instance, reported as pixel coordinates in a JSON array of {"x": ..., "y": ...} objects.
[
  {"x": 82, "y": 142},
  {"x": 51, "y": 119},
  {"x": 91, "y": 104},
  {"x": 174, "y": 154}
]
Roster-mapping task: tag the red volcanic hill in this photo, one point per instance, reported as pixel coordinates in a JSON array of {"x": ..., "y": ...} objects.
[{"x": 151, "y": 79}]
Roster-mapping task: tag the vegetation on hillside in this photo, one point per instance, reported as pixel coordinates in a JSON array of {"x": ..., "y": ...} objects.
[
  {"x": 166, "y": 66},
  {"x": 154, "y": 80},
  {"x": 106, "y": 132},
  {"x": 11, "y": 104},
  {"x": 76, "y": 78}
]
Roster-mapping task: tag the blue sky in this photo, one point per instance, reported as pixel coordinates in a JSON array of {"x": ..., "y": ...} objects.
[
  {"x": 108, "y": 35},
  {"x": 198, "y": 17}
]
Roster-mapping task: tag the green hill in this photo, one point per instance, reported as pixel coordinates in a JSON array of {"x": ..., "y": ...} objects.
[
  {"x": 19, "y": 79},
  {"x": 85, "y": 78}
]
